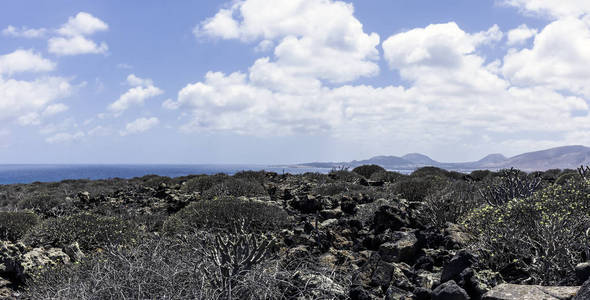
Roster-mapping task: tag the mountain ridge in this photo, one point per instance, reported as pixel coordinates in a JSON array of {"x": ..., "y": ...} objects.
[{"x": 564, "y": 157}]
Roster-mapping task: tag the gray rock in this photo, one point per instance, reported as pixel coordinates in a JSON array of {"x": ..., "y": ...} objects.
[
  {"x": 382, "y": 274},
  {"x": 583, "y": 272},
  {"x": 449, "y": 291},
  {"x": 531, "y": 292},
  {"x": 402, "y": 250},
  {"x": 320, "y": 286}
]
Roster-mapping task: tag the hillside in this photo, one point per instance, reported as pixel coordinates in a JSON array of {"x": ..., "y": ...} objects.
[{"x": 566, "y": 157}]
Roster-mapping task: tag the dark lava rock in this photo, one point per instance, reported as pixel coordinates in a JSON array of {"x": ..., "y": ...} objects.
[
  {"x": 389, "y": 217},
  {"x": 359, "y": 293},
  {"x": 449, "y": 291},
  {"x": 583, "y": 272},
  {"x": 584, "y": 292},
  {"x": 348, "y": 205},
  {"x": 461, "y": 261},
  {"x": 422, "y": 294},
  {"x": 382, "y": 274}
]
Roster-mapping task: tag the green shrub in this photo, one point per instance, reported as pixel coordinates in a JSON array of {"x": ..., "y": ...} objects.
[
  {"x": 368, "y": 170},
  {"x": 416, "y": 188},
  {"x": 90, "y": 231},
  {"x": 387, "y": 176},
  {"x": 253, "y": 176},
  {"x": 235, "y": 187},
  {"x": 479, "y": 175},
  {"x": 430, "y": 171},
  {"x": 222, "y": 215},
  {"x": 46, "y": 205},
  {"x": 203, "y": 182},
  {"x": 511, "y": 184},
  {"x": 566, "y": 176},
  {"x": 13, "y": 225},
  {"x": 544, "y": 233},
  {"x": 344, "y": 175}
]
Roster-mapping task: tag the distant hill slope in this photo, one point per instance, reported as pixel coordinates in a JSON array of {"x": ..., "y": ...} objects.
[{"x": 566, "y": 157}]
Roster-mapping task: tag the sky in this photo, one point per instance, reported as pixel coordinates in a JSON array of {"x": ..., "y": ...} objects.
[{"x": 288, "y": 81}]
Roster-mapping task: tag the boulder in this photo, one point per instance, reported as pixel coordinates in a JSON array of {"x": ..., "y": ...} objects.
[
  {"x": 395, "y": 293},
  {"x": 455, "y": 237},
  {"x": 531, "y": 292},
  {"x": 402, "y": 250},
  {"x": 359, "y": 293},
  {"x": 583, "y": 272},
  {"x": 320, "y": 286},
  {"x": 584, "y": 292},
  {"x": 307, "y": 203},
  {"x": 16, "y": 262},
  {"x": 461, "y": 261},
  {"x": 449, "y": 291},
  {"x": 390, "y": 217},
  {"x": 382, "y": 274}
]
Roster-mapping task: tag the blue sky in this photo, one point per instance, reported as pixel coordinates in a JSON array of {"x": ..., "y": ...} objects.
[{"x": 290, "y": 81}]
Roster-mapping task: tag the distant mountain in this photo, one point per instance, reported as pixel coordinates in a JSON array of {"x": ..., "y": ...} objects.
[
  {"x": 418, "y": 158},
  {"x": 567, "y": 157}
]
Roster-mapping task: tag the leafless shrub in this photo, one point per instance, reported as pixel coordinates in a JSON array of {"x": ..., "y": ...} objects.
[{"x": 512, "y": 184}]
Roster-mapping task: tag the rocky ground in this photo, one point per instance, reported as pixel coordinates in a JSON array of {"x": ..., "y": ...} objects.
[{"x": 370, "y": 240}]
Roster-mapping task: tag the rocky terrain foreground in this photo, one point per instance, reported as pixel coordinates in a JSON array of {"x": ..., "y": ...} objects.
[{"x": 361, "y": 234}]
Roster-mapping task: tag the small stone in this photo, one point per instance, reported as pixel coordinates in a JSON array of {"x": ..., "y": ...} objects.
[{"x": 449, "y": 291}]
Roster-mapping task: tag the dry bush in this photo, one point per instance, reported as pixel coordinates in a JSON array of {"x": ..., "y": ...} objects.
[
  {"x": 221, "y": 214},
  {"x": 14, "y": 225},
  {"x": 89, "y": 230},
  {"x": 450, "y": 203}
]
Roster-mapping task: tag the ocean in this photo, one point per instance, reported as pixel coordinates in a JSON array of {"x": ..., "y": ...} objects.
[{"x": 10, "y": 174}]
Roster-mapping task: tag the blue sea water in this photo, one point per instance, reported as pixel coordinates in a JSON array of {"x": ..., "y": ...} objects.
[{"x": 10, "y": 174}]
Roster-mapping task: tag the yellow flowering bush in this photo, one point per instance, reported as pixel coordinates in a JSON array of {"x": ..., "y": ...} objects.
[{"x": 544, "y": 234}]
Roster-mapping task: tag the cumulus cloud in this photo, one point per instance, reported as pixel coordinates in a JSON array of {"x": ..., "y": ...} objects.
[
  {"x": 25, "y": 100},
  {"x": 75, "y": 45},
  {"x": 142, "y": 90},
  {"x": 455, "y": 94},
  {"x": 74, "y": 40},
  {"x": 24, "y": 61},
  {"x": 140, "y": 125},
  {"x": 317, "y": 39},
  {"x": 82, "y": 24},
  {"x": 552, "y": 8},
  {"x": 520, "y": 35},
  {"x": 64, "y": 137},
  {"x": 559, "y": 58},
  {"x": 133, "y": 80},
  {"x": 24, "y": 32}
]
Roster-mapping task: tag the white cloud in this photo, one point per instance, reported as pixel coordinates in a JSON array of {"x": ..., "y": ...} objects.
[
  {"x": 24, "y": 32},
  {"x": 99, "y": 131},
  {"x": 140, "y": 125},
  {"x": 64, "y": 137},
  {"x": 82, "y": 24},
  {"x": 559, "y": 58},
  {"x": 74, "y": 40},
  {"x": 75, "y": 45},
  {"x": 133, "y": 80},
  {"x": 520, "y": 34},
  {"x": 54, "y": 109},
  {"x": 29, "y": 119},
  {"x": 136, "y": 95},
  {"x": 442, "y": 58},
  {"x": 454, "y": 95},
  {"x": 21, "y": 99},
  {"x": 316, "y": 39},
  {"x": 24, "y": 61},
  {"x": 552, "y": 8}
]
